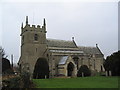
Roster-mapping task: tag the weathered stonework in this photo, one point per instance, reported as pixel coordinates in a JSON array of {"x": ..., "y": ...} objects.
[{"x": 59, "y": 54}]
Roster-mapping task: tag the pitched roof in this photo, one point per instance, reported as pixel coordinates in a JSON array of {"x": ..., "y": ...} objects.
[
  {"x": 90, "y": 50},
  {"x": 60, "y": 43},
  {"x": 71, "y": 44}
]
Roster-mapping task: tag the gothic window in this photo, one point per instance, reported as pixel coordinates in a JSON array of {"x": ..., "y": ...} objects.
[
  {"x": 36, "y": 37},
  {"x": 76, "y": 60}
]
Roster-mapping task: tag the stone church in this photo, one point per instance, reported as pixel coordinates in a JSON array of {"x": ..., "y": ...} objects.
[{"x": 48, "y": 58}]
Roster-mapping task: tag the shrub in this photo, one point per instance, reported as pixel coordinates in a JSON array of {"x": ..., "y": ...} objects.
[
  {"x": 85, "y": 70},
  {"x": 15, "y": 82},
  {"x": 25, "y": 79},
  {"x": 112, "y": 63},
  {"x": 11, "y": 83},
  {"x": 22, "y": 81}
]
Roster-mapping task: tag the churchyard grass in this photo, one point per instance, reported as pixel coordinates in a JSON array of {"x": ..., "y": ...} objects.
[{"x": 79, "y": 82}]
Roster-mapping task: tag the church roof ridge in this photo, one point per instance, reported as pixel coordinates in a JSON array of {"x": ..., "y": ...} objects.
[{"x": 58, "y": 39}]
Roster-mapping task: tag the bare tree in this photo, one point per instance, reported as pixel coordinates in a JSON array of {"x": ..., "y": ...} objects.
[{"x": 2, "y": 53}]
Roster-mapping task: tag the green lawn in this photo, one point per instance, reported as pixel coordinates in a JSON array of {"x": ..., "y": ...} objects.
[{"x": 81, "y": 82}]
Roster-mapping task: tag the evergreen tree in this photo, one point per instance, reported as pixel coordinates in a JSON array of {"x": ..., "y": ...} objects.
[{"x": 112, "y": 63}]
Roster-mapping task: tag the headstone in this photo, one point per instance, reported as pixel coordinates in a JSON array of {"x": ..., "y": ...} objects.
[
  {"x": 106, "y": 73},
  {"x": 45, "y": 76},
  {"x": 82, "y": 74},
  {"x": 110, "y": 74}
]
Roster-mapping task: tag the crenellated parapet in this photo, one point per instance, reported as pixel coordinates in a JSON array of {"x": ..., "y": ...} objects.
[{"x": 36, "y": 28}]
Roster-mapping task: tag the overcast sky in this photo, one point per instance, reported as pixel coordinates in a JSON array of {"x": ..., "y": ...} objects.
[{"x": 89, "y": 22}]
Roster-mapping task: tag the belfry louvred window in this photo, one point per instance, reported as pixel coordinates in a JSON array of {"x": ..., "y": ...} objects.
[{"x": 36, "y": 37}]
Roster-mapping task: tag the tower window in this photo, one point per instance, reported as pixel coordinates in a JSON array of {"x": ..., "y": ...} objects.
[{"x": 36, "y": 37}]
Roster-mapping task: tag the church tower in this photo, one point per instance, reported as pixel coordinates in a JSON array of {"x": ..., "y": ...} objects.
[{"x": 33, "y": 44}]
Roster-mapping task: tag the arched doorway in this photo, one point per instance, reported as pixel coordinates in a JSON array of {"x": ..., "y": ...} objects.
[
  {"x": 41, "y": 69},
  {"x": 70, "y": 69}
]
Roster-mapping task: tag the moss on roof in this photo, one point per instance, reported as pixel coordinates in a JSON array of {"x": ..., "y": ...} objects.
[
  {"x": 71, "y": 44},
  {"x": 60, "y": 43},
  {"x": 89, "y": 50}
]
